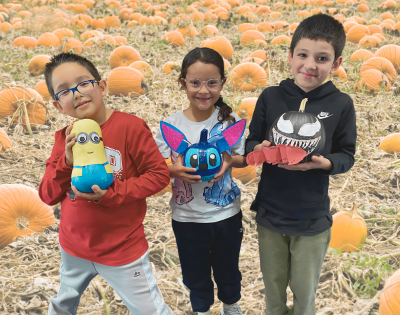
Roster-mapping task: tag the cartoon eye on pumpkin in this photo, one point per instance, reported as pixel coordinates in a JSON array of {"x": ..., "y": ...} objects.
[
  {"x": 212, "y": 159},
  {"x": 285, "y": 125},
  {"x": 309, "y": 130},
  {"x": 194, "y": 161}
]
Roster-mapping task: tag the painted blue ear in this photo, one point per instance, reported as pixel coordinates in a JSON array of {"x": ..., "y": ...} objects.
[
  {"x": 173, "y": 137},
  {"x": 231, "y": 135}
]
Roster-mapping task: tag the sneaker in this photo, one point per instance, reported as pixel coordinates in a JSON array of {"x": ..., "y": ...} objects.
[
  {"x": 204, "y": 313},
  {"x": 231, "y": 309}
]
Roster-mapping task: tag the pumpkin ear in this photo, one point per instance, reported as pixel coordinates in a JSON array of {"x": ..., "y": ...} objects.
[
  {"x": 174, "y": 138},
  {"x": 231, "y": 135}
]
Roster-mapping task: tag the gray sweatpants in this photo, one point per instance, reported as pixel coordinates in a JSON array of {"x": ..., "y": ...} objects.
[{"x": 134, "y": 283}]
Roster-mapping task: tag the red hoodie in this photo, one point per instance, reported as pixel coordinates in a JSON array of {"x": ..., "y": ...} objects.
[{"x": 109, "y": 231}]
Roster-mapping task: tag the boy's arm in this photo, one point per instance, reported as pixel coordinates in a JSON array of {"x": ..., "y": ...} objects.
[
  {"x": 258, "y": 126},
  {"x": 343, "y": 142},
  {"x": 154, "y": 173},
  {"x": 57, "y": 177}
]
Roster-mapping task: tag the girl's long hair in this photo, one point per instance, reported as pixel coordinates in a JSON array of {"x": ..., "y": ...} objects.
[{"x": 208, "y": 55}]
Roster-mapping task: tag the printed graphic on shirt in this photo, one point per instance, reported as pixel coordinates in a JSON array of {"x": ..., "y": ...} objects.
[
  {"x": 323, "y": 115},
  {"x": 115, "y": 160},
  {"x": 223, "y": 192},
  {"x": 181, "y": 190}
]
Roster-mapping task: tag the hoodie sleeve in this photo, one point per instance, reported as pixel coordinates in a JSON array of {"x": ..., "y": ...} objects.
[
  {"x": 154, "y": 173},
  {"x": 258, "y": 125},
  {"x": 343, "y": 142}
]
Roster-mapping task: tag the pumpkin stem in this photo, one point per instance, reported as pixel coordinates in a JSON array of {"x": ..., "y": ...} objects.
[
  {"x": 355, "y": 213},
  {"x": 21, "y": 223},
  {"x": 303, "y": 105}
]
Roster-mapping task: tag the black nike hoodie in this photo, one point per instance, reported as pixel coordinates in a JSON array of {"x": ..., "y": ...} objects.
[{"x": 303, "y": 194}]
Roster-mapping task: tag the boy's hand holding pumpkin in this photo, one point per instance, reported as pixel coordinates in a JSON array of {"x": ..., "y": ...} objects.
[
  {"x": 317, "y": 161},
  {"x": 69, "y": 159},
  {"x": 96, "y": 195},
  {"x": 265, "y": 144},
  {"x": 177, "y": 170}
]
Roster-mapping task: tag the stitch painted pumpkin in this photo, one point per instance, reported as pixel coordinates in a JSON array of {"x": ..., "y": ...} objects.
[
  {"x": 205, "y": 156},
  {"x": 299, "y": 129},
  {"x": 90, "y": 162}
]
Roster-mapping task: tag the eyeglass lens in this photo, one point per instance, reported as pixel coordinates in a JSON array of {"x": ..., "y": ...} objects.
[
  {"x": 212, "y": 84},
  {"x": 84, "y": 88}
]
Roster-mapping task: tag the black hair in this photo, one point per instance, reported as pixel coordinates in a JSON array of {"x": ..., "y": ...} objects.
[
  {"x": 321, "y": 26},
  {"x": 59, "y": 59},
  {"x": 208, "y": 55}
]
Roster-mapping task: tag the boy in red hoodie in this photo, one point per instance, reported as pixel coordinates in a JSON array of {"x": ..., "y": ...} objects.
[{"x": 102, "y": 232}]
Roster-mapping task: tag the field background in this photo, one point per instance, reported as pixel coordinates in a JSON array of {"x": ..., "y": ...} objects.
[{"x": 349, "y": 283}]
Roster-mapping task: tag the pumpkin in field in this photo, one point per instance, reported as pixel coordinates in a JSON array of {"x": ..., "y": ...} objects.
[
  {"x": 168, "y": 188},
  {"x": 143, "y": 67},
  {"x": 120, "y": 40},
  {"x": 381, "y": 64},
  {"x": 41, "y": 88},
  {"x": 24, "y": 104},
  {"x": 70, "y": 43},
  {"x": 356, "y": 33},
  {"x": 209, "y": 30},
  {"x": 22, "y": 212},
  {"x": 174, "y": 38},
  {"x": 341, "y": 73},
  {"x": 98, "y": 23},
  {"x": 170, "y": 66},
  {"x": 245, "y": 174},
  {"x": 247, "y": 76},
  {"x": 25, "y": 41},
  {"x": 246, "y": 108},
  {"x": 220, "y": 44},
  {"x": 126, "y": 81},
  {"x": 391, "y": 143},
  {"x": 391, "y": 53},
  {"x": 389, "y": 302},
  {"x": 123, "y": 56},
  {"x": 262, "y": 54},
  {"x": 250, "y": 36},
  {"x": 112, "y": 21},
  {"x": 361, "y": 54},
  {"x": 37, "y": 64},
  {"x": 281, "y": 39},
  {"x": 373, "y": 80},
  {"x": 5, "y": 141},
  {"x": 349, "y": 230},
  {"x": 48, "y": 39},
  {"x": 63, "y": 32},
  {"x": 369, "y": 41}
]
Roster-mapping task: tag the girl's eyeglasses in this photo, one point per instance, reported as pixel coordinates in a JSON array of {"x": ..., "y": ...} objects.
[
  {"x": 196, "y": 84},
  {"x": 67, "y": 95}
]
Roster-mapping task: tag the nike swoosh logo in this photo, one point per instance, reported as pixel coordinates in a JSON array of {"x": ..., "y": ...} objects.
[{"x": 323, "y": 117}]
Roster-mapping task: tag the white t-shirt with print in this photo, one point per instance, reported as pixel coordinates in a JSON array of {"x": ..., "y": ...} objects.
[{"x": 202, "y": 202}]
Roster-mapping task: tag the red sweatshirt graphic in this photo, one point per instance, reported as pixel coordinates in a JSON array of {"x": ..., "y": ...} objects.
[{"x": 109, "y": 231}]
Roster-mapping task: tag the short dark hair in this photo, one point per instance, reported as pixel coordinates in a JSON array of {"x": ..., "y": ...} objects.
[
  {"x": 321, "y": 26},
  {"x": 59, "y": 59},
  {"x": 208, "y": 55}
]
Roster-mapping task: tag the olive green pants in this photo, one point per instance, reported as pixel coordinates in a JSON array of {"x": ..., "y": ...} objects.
[{"x": 295, "y": 258}]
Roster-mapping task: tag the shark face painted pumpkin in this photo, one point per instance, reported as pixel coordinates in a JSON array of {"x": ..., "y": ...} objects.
[
  {"x": 300, "y": 129},
  {"x": 204, "y": 156},
  {"x": 90, "y": 162}
]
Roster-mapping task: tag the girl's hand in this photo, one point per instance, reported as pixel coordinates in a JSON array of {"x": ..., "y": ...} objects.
[
  {"x": 225, "y": 165},
  {"x": 69, "y": 159},
  {"x": 96, "y": 195},
  {"x": 316, "y": 162},
  {"x": 265, "y": 144},
  {"x": 177, "y": 170}
]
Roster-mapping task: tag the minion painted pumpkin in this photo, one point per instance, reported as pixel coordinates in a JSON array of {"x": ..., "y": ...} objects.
[{"x": 90, "y": 162}]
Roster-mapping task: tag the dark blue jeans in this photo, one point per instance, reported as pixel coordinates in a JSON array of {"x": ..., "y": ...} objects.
[{"x": 203, "y": 246}]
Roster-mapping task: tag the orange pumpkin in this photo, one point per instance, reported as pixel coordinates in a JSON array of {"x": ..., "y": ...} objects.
[
  {"x": 357, "y": 32},
  {"x": 361, "y": 54},
  {"x": 373, "y": 80},
  {"x": 126, "y": 81},
  {"x": 48, "y": 39},
  {"x": 246, "y": 108},
  {"x": 246, "y": 27},
  {"x": 41, "y": 88},
  {"x": 250, "y": 36},
  {"x": 220, "y": 44},
  {"x": 381, "y": 64},
  {"x": 120, "y": 40},
  {"x": 63, "y": 32},
  {"x": 22, "y": 213},
  {"x": 248, "y": 76},
  {"x": 389, "y": 301},
  {"x": 341, "y": 73},
  {"x": 25, "y": 41},
  {"x": 80, "y": 8},
  {"x": 123, "y": 56},
  {"x": 262, "y": 54},
  {"x": 5, "y": 141},
  {"x": 391, "y": 53},
  {"x": 265, "y": 27},
  {"x": 5, "y": 26},
  {"x": 349, "y": 230},
  {"x": 369, "y": 41},
  {"x": 391, "y": 143},
  {"x": 245, "y": 174},
  {"x": 281, "y": 39},
  {"x": 70, "y": 43},
  {"x": 37, "y": 64},
  {"x": 112, "y": 21},
  {"x": 143, "y": 67},
  {"x": 174, "y": 38},
  {"x": 99, "y": 23},
  {"x": 209, "y": 30},
  {"x": 170, "y": 66}
]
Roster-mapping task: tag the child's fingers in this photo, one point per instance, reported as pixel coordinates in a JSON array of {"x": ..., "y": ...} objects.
[
  {"x": 266, "y": 143},
  {"x": 187, "y": 169}
]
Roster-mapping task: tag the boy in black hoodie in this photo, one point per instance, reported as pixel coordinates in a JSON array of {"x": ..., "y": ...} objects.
[{"x": 292, "y": 203}]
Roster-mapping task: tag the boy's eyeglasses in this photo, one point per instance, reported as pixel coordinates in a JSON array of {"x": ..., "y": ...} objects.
[
  {"x": 196, "y": 84},
  {"x": 84, "y": 138},
  {"x": 67, "y": 95}
]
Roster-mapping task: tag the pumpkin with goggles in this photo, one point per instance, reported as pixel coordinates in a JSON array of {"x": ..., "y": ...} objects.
[{"x": 90, "y": 162}]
